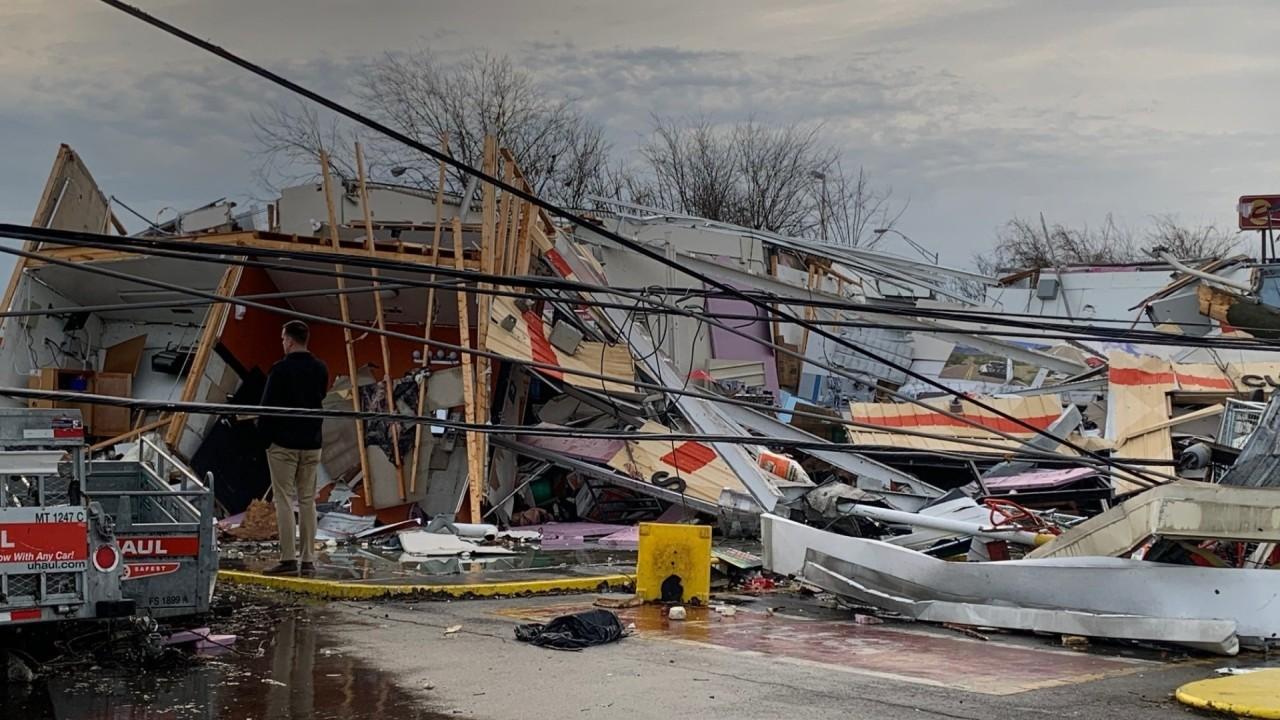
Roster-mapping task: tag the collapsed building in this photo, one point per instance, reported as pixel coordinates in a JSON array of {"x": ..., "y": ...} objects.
[{"x": 871, "y": 415}]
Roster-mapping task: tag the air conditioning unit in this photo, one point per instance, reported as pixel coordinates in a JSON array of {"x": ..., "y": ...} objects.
[{"x": 1047, "y": 288}]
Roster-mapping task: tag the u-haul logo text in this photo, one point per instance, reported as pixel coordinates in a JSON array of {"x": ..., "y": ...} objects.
[{"x": 160, "y": 546}]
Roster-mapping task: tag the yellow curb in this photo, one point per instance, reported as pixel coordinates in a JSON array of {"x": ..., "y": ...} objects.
[
  {"x": 1252, "y": 695},
  {"x": 339, "y": 590}
]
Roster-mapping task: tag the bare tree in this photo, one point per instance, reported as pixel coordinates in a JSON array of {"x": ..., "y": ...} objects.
[
  {"x": 1024, "y": 244},
  {"x": 855, "y": 209},
  {"x": 290, "y": 138},
  {"x": 693, "y": 169},
  {"x": 784, "y": 179},
  {"x": 562, "y": 154},
  {"x": 1186, "y": 242}
]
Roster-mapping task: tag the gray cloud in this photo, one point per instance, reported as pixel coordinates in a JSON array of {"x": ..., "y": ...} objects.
[{"x": 975, "y": 110}]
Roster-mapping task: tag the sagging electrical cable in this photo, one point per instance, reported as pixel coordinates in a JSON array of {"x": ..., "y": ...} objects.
[
  {"x": 457, "y": 348},
  {"x": 217, "y": 254},
  {"x": 120, "y": 275},
  {"x": 581, "y": 221},
  {"x": 683, "y": 311},
  {"x": 243, "y": 411}
]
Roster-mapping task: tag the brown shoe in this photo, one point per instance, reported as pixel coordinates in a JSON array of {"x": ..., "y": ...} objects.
[
  {"x": 307, "y": 569},
  {"x": 284, "y": 567}
]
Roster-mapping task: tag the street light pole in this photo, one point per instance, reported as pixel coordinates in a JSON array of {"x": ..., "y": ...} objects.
[
  {"x": 933, "y": 256},
  {"x": 400, "y": 170},
  {"x": 822, "y": 201}
]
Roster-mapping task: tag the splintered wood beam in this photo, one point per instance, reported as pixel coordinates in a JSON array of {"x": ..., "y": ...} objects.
[
  {"x": 380, "y": 318},
  {"x": 468, "y": 385},
  {"x": 524, "y": 248},
  {"x": 773, "y": 272},
  {"x": 348, "y": 344},
  {"x": 140, "y": 430},
  {"x": 428, "y": 322},
  {"x": 488, "y": 241},
  {"x": 810, "y": 283},
  {"x": 209, "y": 333},
  {"x": 504, "y": 221},
  {"x": 511, "y": 244},
  {"x": 250, "y": 241}
]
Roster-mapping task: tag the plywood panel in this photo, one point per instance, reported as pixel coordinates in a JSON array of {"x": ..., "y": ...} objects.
[
  {"x": 1138, "y": 398},
  {"x": 523, "y": 343},
  {"x": 125, "y": 357},
  {"x": 1040, "y": 411}
]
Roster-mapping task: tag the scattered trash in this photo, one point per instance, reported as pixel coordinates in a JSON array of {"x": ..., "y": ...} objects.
[
  {"x": 452, "y": 629},
  {"x": 861, "y": 619},
  {"x": 1075, "y": 641},
  {"x": 676, "y": 612}
]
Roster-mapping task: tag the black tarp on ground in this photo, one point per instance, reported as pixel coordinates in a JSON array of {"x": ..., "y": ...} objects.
[{"x": 574, "y": 632}]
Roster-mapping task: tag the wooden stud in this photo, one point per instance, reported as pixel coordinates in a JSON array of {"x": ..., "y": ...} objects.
[
  {"x": 131, "y": 434},
  {"x": 512, "y": 243},
  {"x": 428, "y": 322},
  {"x": 348, "y": 345},
  {"x": 209, "y": 333},
  {"x": 504, "y": 210},
  {"x": 380, "y": 318},
  {"x": 484, "y": 385},
  {"x": 809, "y": 313},
  {"x": 468, "y": 385},
  {"x": 252, "y": 240},
  {"x": 773, "y": 272},
  {"x": 524, "y": 249}
]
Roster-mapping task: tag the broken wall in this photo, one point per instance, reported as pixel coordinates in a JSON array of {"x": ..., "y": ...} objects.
[{"x": 31, "y": 342}]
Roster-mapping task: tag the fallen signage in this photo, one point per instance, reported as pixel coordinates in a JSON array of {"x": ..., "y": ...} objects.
[
  {"x": 1092, "y": 585},
  {"x": 1217, "y": 636}
]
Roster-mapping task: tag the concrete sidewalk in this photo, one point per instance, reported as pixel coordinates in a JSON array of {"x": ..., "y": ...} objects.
[{"x": 761, "y": 663}]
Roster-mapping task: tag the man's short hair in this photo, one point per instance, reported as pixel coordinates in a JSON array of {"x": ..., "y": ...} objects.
[{"x": 297, "y": 330}]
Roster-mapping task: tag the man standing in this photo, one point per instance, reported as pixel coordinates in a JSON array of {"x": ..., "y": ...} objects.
[{"x": 299, "y": 380}]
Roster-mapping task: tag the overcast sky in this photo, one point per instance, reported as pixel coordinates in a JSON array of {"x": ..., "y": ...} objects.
[{"x": 974, "y": 110}]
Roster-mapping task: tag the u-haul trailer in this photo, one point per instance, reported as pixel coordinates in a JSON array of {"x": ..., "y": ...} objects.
[{"x": 84, "y": 540}]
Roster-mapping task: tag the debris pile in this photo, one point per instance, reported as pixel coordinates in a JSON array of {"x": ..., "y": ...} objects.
[{"x": 1008, "y": 452}]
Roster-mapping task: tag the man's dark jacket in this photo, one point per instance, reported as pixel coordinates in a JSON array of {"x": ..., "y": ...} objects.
[{"x": 299, "y": 380}]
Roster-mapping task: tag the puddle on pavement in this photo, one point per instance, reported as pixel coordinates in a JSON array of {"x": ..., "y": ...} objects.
[{"x": 298, "y": 677}]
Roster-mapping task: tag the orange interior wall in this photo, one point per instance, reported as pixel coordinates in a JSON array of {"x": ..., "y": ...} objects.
[{"x": 255, "y": 338}]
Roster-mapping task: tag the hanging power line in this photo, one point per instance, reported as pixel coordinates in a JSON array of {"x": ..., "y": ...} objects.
[{"x": 575, "y": 218}]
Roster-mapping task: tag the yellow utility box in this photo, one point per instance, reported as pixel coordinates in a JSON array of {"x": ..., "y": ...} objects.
[{"x": 674, "y": 564}]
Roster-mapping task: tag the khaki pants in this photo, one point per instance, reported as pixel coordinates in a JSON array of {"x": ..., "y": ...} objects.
[{"x": 293, "y": 476}]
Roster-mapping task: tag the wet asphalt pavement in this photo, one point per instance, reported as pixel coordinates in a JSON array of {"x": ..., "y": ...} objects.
[{"x": 297, "y": 675}]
